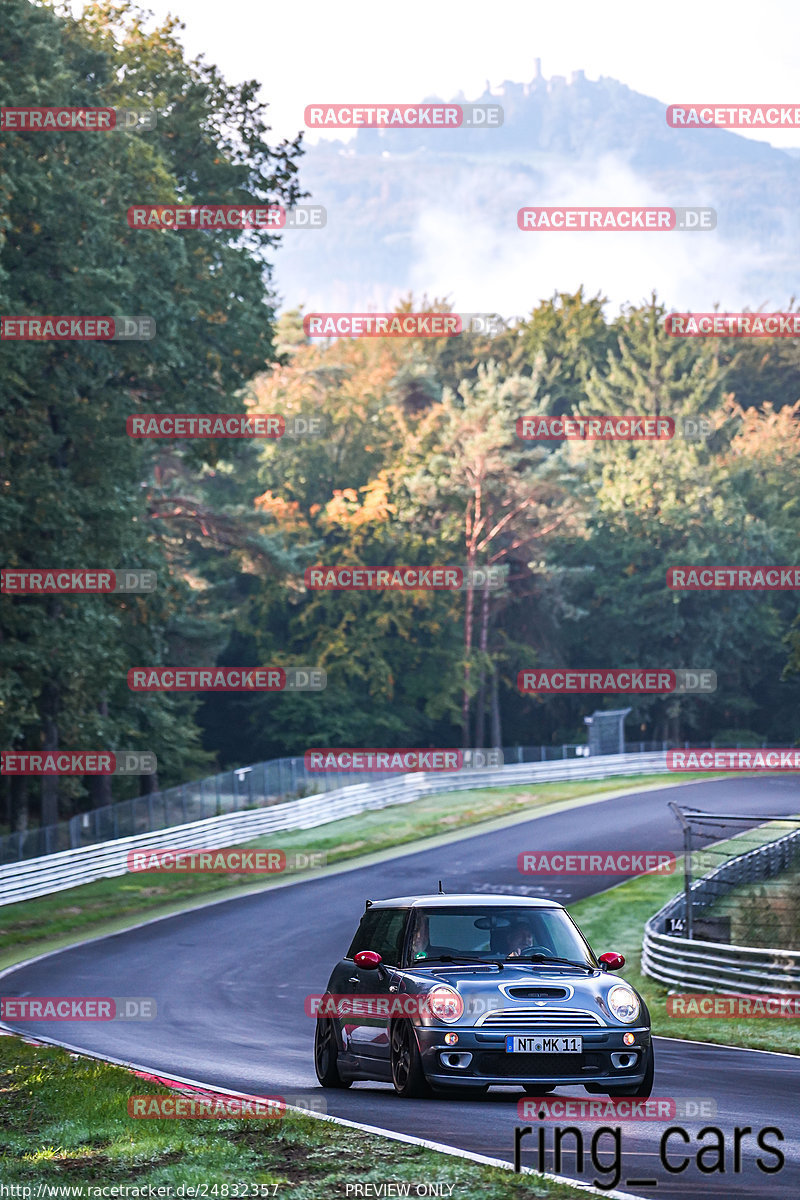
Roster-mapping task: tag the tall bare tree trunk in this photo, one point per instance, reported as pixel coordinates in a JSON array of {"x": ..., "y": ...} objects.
[
  {"x": 18, "y": 790},
  {"x": 148, "y": 784},
  {"x": 468, "y": 621},
  {"x": 49, "y": 711},
  {"x": 49, "y": 783},
  {"x": 100, "y": 789},
  {"x": 480, "y": 714},
  {"x": 497, "y": 732}
]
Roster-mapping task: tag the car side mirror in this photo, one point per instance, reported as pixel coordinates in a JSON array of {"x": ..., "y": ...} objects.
[
  {"x": 612, "y": 961},
  {"x": 368, "y": 960}
]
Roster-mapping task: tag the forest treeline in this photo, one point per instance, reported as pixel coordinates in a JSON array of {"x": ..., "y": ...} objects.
[{"x": 420, "y": 464}]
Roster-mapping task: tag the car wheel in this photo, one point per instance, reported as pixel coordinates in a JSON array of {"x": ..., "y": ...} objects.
[
  {"x": 326, "y": 1055},
  {"x": 646, "y": 1086},
  {"x": 408, "y": 1076},
  {"x": 536, "y": 1089}
]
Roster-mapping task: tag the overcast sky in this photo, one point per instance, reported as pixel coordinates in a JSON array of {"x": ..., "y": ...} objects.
[{"x": 315, "y": 50}]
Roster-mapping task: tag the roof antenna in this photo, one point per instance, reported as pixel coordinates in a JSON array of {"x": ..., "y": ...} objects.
[{"x": 441, "y": 889}]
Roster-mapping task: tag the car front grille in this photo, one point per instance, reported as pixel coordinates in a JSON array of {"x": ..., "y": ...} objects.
[
  {"x": 539, "y": 1019},
  {"x": 542, "y": 1066}
]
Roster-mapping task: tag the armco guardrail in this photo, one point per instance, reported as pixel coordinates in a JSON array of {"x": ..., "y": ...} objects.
[
  {"x": 68, "y": 868},
  {"x": 688, "y": 963}
]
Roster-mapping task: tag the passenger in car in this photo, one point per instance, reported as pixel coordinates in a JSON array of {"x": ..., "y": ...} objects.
[{"x": 420, "y": 941}]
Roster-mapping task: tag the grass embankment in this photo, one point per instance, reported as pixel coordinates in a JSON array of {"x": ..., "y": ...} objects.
[
  {"x": 107, "y": 905},
  {"x": 64, "y": 1122}
]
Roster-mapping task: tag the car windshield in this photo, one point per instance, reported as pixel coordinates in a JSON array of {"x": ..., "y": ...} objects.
[{"x": 495, "y": 933}]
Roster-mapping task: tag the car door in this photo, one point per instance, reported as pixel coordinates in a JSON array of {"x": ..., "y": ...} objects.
[{"x": 368, "y": 1037}]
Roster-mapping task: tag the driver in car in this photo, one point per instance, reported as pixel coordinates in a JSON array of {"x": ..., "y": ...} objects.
[{"x": 519, "y": 936}]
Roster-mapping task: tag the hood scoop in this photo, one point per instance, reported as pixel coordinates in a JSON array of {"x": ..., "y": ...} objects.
[{"x": 523, "y": 992}]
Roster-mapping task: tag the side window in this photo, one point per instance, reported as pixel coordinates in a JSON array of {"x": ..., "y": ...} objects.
[
  {"x": 381, "y": 929},
  {"x": 365, "y": 934},
  {"x": 390, "y": 935}
]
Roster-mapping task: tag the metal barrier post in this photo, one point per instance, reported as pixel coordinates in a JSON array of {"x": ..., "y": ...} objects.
[{"x": 687, "y": 868}]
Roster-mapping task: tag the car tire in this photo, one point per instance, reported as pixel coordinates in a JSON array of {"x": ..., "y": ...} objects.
[
  {"x": 535, "y": 1089},
  {"x": 643, "y": 1090},
  {"x": 326, "y": 1055},
  {"x": 408, "y": 1076}
]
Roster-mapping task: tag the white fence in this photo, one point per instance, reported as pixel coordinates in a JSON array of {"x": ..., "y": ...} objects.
[{"x": 68, "y": 868}]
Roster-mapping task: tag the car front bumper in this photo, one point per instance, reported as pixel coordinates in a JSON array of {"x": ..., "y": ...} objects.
[{"x": 490, "y": 1064}]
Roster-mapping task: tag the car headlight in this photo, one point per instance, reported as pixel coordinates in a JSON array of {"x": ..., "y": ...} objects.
[
  {"x": 445, "y": 1003},
  {"x": 623, "y": 1003}
]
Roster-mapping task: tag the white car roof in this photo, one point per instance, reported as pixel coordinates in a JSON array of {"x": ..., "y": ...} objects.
[{"x": 467, "y": 900}]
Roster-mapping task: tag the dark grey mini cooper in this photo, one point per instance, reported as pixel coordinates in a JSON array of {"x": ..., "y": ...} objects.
[{"x": 451, "y": 993}]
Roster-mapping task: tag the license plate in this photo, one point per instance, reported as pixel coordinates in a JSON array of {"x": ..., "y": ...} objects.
[{"x": 543, "y": 1045}]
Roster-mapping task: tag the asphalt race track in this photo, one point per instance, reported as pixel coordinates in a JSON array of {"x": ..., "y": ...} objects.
[{"x": 230, "y": 980}]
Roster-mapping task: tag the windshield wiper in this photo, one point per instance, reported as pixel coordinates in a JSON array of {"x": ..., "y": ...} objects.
[
  {"x": 461, "y": 958},
  {"x": 544, "y": 958}
]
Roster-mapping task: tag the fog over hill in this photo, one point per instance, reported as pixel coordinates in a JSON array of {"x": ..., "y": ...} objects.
[{"x": 434, "y": 211}]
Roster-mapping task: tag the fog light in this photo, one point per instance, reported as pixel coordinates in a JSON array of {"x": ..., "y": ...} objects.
[
  {"x": 459, "y": 1060},
  {"x": 628, "y": 1039},
  {"x": 450, "y": 1039}
]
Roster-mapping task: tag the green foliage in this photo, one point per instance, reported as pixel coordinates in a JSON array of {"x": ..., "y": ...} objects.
[
  {"x": 76, "y": 491},
  {"x": 420, "y": 464}
]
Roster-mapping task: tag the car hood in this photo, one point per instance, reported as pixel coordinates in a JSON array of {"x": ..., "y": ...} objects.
[{"x": 519, "y": 987}]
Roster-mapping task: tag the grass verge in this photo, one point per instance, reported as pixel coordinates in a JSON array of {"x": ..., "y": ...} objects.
[
  {"x": 32, "y": 926},
  {"x": 64, "y": 1121}
]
